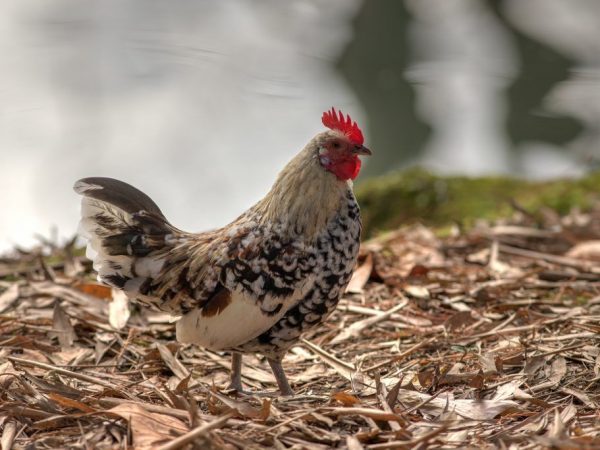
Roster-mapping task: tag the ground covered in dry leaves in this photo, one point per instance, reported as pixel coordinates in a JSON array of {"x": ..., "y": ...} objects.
[{"x": 482, "y": 339}]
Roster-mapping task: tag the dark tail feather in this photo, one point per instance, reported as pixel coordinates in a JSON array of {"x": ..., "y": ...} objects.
[{"x": 128, "y": 235}]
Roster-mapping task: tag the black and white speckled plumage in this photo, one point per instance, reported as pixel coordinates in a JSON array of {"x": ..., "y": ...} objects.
[
  {"x": 249, "y": 256},
  {"x": 254, "y": 285},
  {"x": 332, "y": 260}
]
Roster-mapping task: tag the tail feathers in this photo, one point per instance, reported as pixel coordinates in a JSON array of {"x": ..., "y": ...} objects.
[
  {"x": 128, "y": 236},
  {"x": 119, "y": 194}
]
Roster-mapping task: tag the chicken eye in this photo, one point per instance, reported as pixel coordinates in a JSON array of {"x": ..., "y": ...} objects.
[{"x": 336, "y": 144}]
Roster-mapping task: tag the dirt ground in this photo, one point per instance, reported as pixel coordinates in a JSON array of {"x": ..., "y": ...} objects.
[{"x": 482, "y": 339}]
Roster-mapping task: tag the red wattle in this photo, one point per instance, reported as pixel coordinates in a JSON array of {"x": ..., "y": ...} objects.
[{"x": 346, "y": 169}]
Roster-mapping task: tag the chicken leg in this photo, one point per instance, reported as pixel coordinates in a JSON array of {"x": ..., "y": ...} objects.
[
  {"x": 236, "y": 372},
  {"x": 236, "y": 375},
  {"x": 282, "y": 382}
]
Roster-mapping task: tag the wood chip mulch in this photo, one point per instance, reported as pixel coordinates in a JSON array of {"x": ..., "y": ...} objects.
[{"x": 479, "y": 339}]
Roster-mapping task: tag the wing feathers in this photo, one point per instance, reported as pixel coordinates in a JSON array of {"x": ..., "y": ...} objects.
[{"x": 217, "y": 303}]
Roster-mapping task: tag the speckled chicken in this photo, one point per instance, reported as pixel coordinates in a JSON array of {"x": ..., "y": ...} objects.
[{"x": 256, "y": 284}]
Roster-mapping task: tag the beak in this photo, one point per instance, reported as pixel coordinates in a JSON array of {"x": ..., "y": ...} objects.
[{"x": 361, "y": 150}]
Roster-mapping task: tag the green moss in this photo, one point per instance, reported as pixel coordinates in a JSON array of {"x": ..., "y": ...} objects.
[{"x": 417, "y": 195}]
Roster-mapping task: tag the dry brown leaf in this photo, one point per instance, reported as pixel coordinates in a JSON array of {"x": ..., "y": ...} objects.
[
  {"x": 533, "y": 365},
  {"x": 243, "y": 408},
  {"x": 95, "y": 289},
  {"x": 172, "y": 363},
  {"x": 511, "y": 390},
  {"x": 415, "y": 291},
  {"x": 198, "y": 436},
  {"x": 459, "y": 320},
  {"x": 318, "y": 417},
  {"x": 371, "y": 413},
  {"x": 360, "y": 276},
  {"x": 345, "y": 398},
  {"x": 148, "y": 429},
  {"x": 353, "y": 443},
  {"x": 582, "y": 396},
  {"x": 558, "y": 370},
  {"x": 488, "y": 363},
  {"x": 63, "y": 330},
  {"x": 8, "y": 297},
  {"x": 456, "y": 437},
  {"x": 69, "y": 294},
  {"x": 8, "y": 375},
  {"x": 418, "y": 271},
  {"x": 557, "y": 427},
  {"x": 467, "y": 408},
  {"x": 478, "y": 381},
  {"x": 588, "y": 250},
  {"x": 568, "y": 413},
  {"x": 70, "y": 403}
]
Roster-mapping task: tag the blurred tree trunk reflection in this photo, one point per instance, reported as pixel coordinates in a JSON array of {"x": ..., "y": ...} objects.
[
  {"x": 541, "y": 69},
  {"x": 374, "y": 64}
]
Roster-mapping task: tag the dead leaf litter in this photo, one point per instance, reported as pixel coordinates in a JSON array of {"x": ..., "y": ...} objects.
[{"x": 483, "y": 339}]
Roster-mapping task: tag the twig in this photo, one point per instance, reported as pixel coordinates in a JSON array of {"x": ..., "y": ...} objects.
[
  {"x": 381, "y": 396},
  {"x": 424, "y": 402},
  {"x": 373, "y": 413},
  {"x": 197, "y": 432},
  {"x": 68, "y": 373},
  {"x": 561, "y": 350},
  {"x": 588, "y": 266},
  {"x": 494, "y": 330},
  {"x": 289, "y": 420},
  {"x": 533, "y": 326},
  {"x": 401, "y": 356},
  {"x": 356, "y": 328},
  {"x": 522, "y": 231},
  {"x": 413, "y": 442},
  {"x": 566, "y": 337},
  {"x": 343, "y": 368},
  {"x": 8, "y": 435},
  {"x": 174, "y": 412}
]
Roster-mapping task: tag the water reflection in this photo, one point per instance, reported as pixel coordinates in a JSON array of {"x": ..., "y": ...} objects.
[
  {"x": 201, "y": 103},
  {"x": 477, "y": 86},
  {"x": 198, "y": 103}
]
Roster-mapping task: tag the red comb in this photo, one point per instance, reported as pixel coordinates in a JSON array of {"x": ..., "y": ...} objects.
[{"x": 335, "y": 120}]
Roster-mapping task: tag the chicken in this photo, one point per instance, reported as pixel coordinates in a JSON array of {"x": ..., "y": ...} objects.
[{"x": 256, "y": 284}]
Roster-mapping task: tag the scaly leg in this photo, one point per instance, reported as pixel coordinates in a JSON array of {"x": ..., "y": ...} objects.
[
  {"x": 282, "y": 382},
  {"x": 236, "y": 372}
]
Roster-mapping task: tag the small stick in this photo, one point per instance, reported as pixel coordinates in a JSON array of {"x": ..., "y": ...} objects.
[
  {"x": 289, "y": 420},
  {"x": 130, "y": 336},
  {"x": 197, "y": 432},
  {"x": 494, "y": 330},
  {"x": 343, "y": 368},
  {"x": 588, "y": 266},
  {"x": 66, "y": 372},
  {"x": 8, "y": 435},
  {"x": 357, "y": 327},
  {"x": 381, "y": 396},
  {"x": 534, "y": 326},
  {"x": 402, "y": 355},
  {"x": 179, "y": 413}
]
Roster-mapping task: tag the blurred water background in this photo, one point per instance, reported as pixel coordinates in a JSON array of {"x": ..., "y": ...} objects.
[{"x": 200, "y": 103}]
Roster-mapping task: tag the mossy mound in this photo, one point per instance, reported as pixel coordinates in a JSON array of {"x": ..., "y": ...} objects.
[{"x": 418, "y": 195}]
